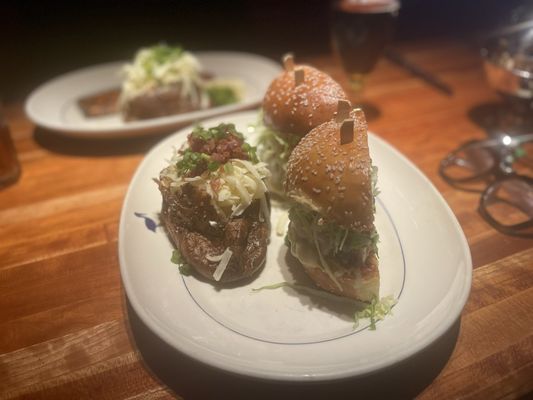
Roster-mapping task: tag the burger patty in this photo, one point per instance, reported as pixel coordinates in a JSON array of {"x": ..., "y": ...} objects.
[{"x": 197, "y": 230}]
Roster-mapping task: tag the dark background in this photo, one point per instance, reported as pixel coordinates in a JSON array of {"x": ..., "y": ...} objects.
[{"x": 42, "y": 39}]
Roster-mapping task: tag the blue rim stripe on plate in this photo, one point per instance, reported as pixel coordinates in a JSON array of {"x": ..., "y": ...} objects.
[{"x": 316, "y": 341}]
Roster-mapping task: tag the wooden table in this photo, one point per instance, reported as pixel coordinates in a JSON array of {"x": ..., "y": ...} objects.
[{"x": 66, "y": 328}]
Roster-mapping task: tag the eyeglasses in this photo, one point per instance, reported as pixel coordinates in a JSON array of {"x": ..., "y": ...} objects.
[{"x": 501, "y": 170}]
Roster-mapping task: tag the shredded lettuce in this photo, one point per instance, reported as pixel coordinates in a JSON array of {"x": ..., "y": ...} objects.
[
  {"x": 333, "y": 239},
  {"x": 374, "y": 180},
  {"x": 274, "y": 150},
  {"x": 312, "y": 291},
  {"x": 177, "y": 258},
  {"x": 161, "y": 65},
  {"x": 222, "y": 92},
  {"x": 374, "y": 311},
  {"x": 377, "y": 310}
]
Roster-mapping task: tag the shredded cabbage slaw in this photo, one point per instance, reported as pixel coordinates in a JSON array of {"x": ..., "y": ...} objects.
[
  {"x": 162, "y": 65},
  {"x": 374, "y": 311},
  {"x": 232, "y": 189},
  {"x": 274, "y": 150}
]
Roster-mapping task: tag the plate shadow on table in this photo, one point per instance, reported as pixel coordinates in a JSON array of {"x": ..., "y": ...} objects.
[
  {"x": 95, "y": 147},
  {"x": 191, "y": 379},
  {"x": 511, "y": 117}
]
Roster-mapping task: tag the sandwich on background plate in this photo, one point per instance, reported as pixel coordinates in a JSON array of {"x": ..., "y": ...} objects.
[{"x": 165, "y": 80}]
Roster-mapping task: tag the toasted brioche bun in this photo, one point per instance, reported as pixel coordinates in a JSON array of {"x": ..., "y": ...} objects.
[
  {"x": 359, "y": 283},
  {"x": 296, "y": 109},
  {"x": 334, "y": 179}
]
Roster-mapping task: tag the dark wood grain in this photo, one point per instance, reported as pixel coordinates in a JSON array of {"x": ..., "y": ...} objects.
[{"x": 65, "y": 329}]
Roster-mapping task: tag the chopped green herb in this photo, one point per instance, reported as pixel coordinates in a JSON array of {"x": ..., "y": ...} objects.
[
  {"x": 222, "y": 95},
  {"x": 162, "y": 53},
  {"x": 218, "y": 132},
  {"x": 185, "y": 269},
  {"x": 213, "y": 166},
  {"x": 158, "y": 55},
  {"x": 251, "y": 151},
  {"x": 190, "y": 160},
  {"x": 177, "y": 258},
  {"x": 199, "y": 162}
]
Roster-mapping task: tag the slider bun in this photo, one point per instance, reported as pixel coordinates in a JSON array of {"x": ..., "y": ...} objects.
[
  {"x": 334, "y": 179},
  {"x": 296, "y": 109}
]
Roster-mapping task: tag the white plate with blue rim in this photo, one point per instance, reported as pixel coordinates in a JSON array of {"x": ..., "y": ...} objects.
[
  {"x": 286, "y": 334},
  {"x": 54, "y": 105}
]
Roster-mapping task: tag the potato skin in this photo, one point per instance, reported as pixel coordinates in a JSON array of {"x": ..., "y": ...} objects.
[{"x": 186, "y": 214}]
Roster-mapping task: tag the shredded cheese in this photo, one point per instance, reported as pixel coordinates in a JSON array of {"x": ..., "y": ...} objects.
[
  {"x": 221, "y": 267},
  {"x": 214, "y": 258},
  {"x": 146, "y": 73},
  {"x": 281, "y": 224},
  {"x": 325, "y": 266},
  {"x": 237, "y": 187}
]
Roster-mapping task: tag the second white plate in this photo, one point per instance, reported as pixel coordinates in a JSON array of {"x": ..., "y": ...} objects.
[{"x": 54, "y": 104}]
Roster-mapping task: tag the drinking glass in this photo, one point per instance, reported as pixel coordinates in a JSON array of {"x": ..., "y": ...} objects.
[
  {"x": 360, "y": 31},
  {"x": 9, "y": 165}
]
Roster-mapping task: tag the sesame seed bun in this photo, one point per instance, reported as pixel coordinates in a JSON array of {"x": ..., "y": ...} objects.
[
  {"x": 334, "y": 179},
  {"x": 296, "y": 109}
]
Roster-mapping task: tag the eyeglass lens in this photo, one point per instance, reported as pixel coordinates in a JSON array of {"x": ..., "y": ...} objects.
[
  {"x": 510, "y": 202},
  {"x": 467, "y": 167}
]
